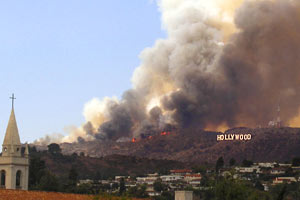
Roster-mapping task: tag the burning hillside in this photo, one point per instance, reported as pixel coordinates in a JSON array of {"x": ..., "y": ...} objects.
[
  {"x": 222, "y": 65},
  {"x": 266, "y": 145}
]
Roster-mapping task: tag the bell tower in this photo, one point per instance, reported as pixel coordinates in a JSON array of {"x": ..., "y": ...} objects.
[{"x": 14, "y": 165}]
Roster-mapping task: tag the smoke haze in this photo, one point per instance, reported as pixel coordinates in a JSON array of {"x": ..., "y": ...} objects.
[{"x": 224, "y": 64}]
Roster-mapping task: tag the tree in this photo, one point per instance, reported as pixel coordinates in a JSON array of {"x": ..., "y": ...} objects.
[
  {"x": 199, "y": 169},
  {"x": 132, "y": 191},
  {"x": 289, "y": 172},
  {"x": 73, "y": 176},
  {"x": 259, "y": 195},
  {"x": 74, "y": 155},
  {"x": 247, "y": 163},
  {"x": 296, "y": 162},
  {"x": 232, "y": 162},
  {"x": 48, "y": 183},
  {"x": 37, "y": 169},
  {"x": 122, "y": 186},
  {"x": 85, "y": 188},
  {"x": 159, "y": 186},
  {"x": 231, "y": 190},
  {"x": 219, "y": 164},
  {"x": 204, "y": 181},
  {"x": 139, "y": 192},
  {"x": 54, "y": 149},
  {"x": 259, "y": 186},
  {"x": 97, "y": 176},
  {"x": 32, "y": 149}
]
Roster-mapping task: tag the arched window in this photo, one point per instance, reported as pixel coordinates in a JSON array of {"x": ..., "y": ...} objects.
[
  {"x": 18, "y": 179},
  {"x": 2, "y": 181}
]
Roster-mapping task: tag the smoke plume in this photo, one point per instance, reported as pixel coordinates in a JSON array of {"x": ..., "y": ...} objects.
[{"x": 224, "y": 63}]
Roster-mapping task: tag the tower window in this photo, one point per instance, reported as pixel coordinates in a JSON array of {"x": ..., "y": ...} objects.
[
  {"x": 18, "y": 179},
  {"x": 18, "y": 149},
  {"x": 5, "y": 149},
  {"x": 2, "y": 180}
]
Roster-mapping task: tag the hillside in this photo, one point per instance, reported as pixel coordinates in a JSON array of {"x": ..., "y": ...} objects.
[
  {"x": 267, "y": 144},
  {"x": 108, "y": 166}
]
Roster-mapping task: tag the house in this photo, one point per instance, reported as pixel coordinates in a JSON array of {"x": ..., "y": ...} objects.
[
  {"x": 192, "y": 177},
  {"x": 169, "y": 178},
  {"x": 297, "y": 169},
  {"x": 86, "y": 181},
  {"x": 146, "y": 180},
  {"x": 253, "y": 169},
  {"x": 266, "y": 187},
  {"x": 118, "y": 178},
  {"x": 226, "y": 173},
  {"x": 284, "y": 165},
  {"x": 266, "y": 165},
  {"x": 280, "y": 180},
  {"x": 278, "y": 170}
]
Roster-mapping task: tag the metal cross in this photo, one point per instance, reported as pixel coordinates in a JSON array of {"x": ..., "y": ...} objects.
[{"x": 12, "y": 99}]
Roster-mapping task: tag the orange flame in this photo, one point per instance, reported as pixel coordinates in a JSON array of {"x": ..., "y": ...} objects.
[
  {"x": 165, "y": 133},
  {"x": 133, "y": 140}
]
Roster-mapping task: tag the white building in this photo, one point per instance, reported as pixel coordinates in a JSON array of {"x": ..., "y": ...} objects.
[
  {"x": 253, "y": 169},
  {"x": 14, "y": 166},
  {"x": 146, "y": 180},
  {"x": 266, "y": 165},
  {"x": 168, "y": 178},
  {"x": 192, "y": 177},
  {"x": 279, "y": 180},
  {"x": 276, "y": 171}
]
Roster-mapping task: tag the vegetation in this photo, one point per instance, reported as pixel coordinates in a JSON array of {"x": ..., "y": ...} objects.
[
  {"x": 122, "y": 186},
  {"x": 214, "y": 185},
  {"x": 54, "y": 149},
  {"x": 219, "y": 164},
  {"x": 247, "y": 163},
  {"x": 232, "y": 162},
  {"x": 296, "y": 162}
]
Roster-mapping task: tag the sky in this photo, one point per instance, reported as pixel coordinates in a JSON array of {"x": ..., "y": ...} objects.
[{"x": 57, "y": 55}]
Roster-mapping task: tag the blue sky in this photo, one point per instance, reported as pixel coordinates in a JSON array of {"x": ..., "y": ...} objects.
[{"x": 56, "y": 55}]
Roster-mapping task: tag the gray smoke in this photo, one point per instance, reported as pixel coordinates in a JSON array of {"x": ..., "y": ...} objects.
[
  {"x": 239, "y": 83},
  {"x": 192, "y": 79}
]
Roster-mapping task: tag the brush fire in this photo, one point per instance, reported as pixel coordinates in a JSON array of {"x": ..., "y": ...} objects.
[
  {"x": 223, "y": 63},
  {"x": 143, "y": 137},
  {"x": 165, "y": 133},
  {"x": 134, "y": 140}
]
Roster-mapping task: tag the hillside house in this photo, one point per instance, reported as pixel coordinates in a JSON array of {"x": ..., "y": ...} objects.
[{"x": 280, "y": 180}]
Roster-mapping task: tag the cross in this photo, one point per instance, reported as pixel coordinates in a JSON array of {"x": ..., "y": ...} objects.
[{"x": 12, "y": 99}]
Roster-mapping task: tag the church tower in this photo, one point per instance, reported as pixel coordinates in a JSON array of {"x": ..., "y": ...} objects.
[{"x": 14, "y": 164}]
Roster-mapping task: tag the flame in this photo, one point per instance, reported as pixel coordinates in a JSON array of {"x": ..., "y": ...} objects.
[
  {"x": 165, "y": 133},
  {"x": 134, "y": 140},
  {"x": 150, "y": 137}
]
